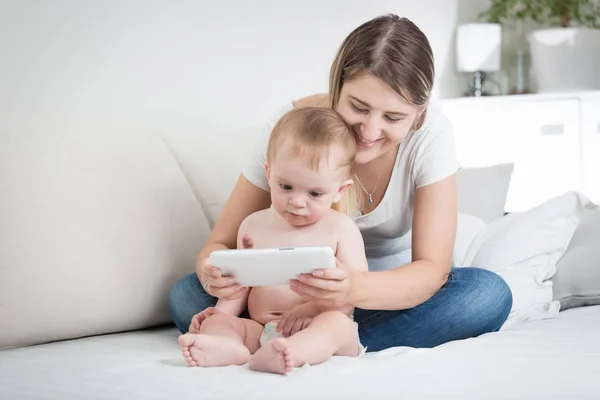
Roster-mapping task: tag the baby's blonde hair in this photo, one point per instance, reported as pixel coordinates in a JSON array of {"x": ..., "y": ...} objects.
[{"x": 314, "y": 131}]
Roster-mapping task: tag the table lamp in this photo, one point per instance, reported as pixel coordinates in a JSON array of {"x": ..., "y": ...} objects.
[{"x": 478, "y": 49}]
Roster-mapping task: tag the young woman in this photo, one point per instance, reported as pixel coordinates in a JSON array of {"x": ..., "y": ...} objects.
[{"x": 380, "y": 83}]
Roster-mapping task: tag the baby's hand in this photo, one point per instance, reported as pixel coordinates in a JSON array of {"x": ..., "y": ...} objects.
[
  {"x": 297, "y": 318},
  {"x": 200, "y": 317}
]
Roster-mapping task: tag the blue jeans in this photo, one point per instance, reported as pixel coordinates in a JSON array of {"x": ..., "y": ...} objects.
[{"x": 472, "y": 302}]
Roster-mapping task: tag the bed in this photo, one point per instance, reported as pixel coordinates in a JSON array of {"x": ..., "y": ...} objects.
[{"x": 550, "y": 359}]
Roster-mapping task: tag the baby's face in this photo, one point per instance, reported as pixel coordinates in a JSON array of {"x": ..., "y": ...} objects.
[{"x": 301, "y": 194}]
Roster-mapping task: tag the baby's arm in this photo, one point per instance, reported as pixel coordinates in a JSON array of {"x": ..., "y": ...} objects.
[
  {"x": 350, "y": 252},
  {"x": 351, "y": 247}
]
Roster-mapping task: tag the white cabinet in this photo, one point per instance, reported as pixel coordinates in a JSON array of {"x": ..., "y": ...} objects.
[
  {"x": 548, "y": 151},
  {"x": 590, "y": 145},
  {"x": 542, "y": 135}
]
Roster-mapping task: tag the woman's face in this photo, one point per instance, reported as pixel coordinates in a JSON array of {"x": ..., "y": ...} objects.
[{"x": 380, "y": 117}]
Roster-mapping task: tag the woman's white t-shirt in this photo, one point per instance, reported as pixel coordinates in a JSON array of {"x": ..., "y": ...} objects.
[{"x": 424, "y": 157}]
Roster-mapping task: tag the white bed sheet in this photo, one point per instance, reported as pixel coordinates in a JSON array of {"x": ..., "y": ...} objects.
[{"x": 551, "y": 359}]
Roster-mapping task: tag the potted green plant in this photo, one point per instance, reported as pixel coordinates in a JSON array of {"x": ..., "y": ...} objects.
[{"x": 564, "y": 44}]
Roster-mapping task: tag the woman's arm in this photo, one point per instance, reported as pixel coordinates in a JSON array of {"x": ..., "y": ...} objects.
[
  {"x": 245, "y": 199},
  {"x": 433, "y": 236}
]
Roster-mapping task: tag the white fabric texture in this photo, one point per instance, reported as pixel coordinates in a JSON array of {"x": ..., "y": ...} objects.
[
  {"x": 201, "y": 150},
  {"x": 467, "y": 228},
  {"x": 425, "y": 156},
  {"x": 550, "y": 359},
  {"x": 97, "y": 223},
  {"x": 523, "y": 248}
]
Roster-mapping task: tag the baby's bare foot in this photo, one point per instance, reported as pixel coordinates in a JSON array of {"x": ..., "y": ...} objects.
[
  {"x": 201, "y": 350},
  {"x": 273, "y": 357}
]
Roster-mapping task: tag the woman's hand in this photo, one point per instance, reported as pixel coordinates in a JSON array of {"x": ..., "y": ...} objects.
[
  {"x": 297, "y": 318},
  {"x": 218, "y": 285},
  {"x": 329, "y": 288},
  {"x": 222, "y": 286}
]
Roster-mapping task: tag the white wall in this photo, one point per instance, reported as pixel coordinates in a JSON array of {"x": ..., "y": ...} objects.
[{"x": 227, "y": 63}]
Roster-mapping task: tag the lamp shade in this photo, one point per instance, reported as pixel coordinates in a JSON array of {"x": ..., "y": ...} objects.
[{"x": 478, "y": 47}]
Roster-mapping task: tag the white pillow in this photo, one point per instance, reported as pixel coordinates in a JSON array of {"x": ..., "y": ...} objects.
[
  {"x": 201, "y": 149},
  {"x": 524, "y": 248},
  {"x": 97, "y": 224}
]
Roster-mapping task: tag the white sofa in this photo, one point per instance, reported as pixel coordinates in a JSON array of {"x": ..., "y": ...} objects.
[{"x": 97, "y": 225}]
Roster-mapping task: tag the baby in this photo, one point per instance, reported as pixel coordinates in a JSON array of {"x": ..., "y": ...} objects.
[{"x": 309, "y": 160}]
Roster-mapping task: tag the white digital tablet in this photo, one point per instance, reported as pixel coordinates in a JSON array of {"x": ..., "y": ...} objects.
[{"x": 271, "y": 267}]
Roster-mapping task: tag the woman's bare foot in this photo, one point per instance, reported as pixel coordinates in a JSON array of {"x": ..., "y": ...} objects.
[
  {"x": 273, "y": 357},
  {"x": 201, "y": 350}
]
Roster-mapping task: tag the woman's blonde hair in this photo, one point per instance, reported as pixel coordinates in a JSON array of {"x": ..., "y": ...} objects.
[
  {"x": 393, "y": 49},
  {"x": 314, "y": 132}
]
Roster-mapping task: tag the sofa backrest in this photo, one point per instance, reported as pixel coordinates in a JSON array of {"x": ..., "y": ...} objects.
[{"x": 97, "y": 222}]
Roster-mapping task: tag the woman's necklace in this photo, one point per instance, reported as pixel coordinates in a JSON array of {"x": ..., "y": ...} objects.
[{"x": 363, "y": 188}]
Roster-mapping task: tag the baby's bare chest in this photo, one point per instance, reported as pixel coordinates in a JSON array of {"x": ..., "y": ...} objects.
[{"x": 268, "y": 237}]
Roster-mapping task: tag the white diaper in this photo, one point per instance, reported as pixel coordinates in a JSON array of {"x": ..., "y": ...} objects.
[{"x": 269, "y": 333}]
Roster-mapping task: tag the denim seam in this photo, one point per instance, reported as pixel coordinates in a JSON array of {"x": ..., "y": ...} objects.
[{"x": 373, "y": 316}]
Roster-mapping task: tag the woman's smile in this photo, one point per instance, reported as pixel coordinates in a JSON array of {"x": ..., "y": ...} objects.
[{"x": 366, "y": 144}]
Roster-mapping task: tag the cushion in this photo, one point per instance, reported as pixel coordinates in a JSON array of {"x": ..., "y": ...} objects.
[
  {"x": 482, "y": 191},
  {"x": 523, "y": 248},
  {"x": 202, "y": 149},
  {"x": 577, "y": 279},
  {"x": 97, "y": 223}
]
